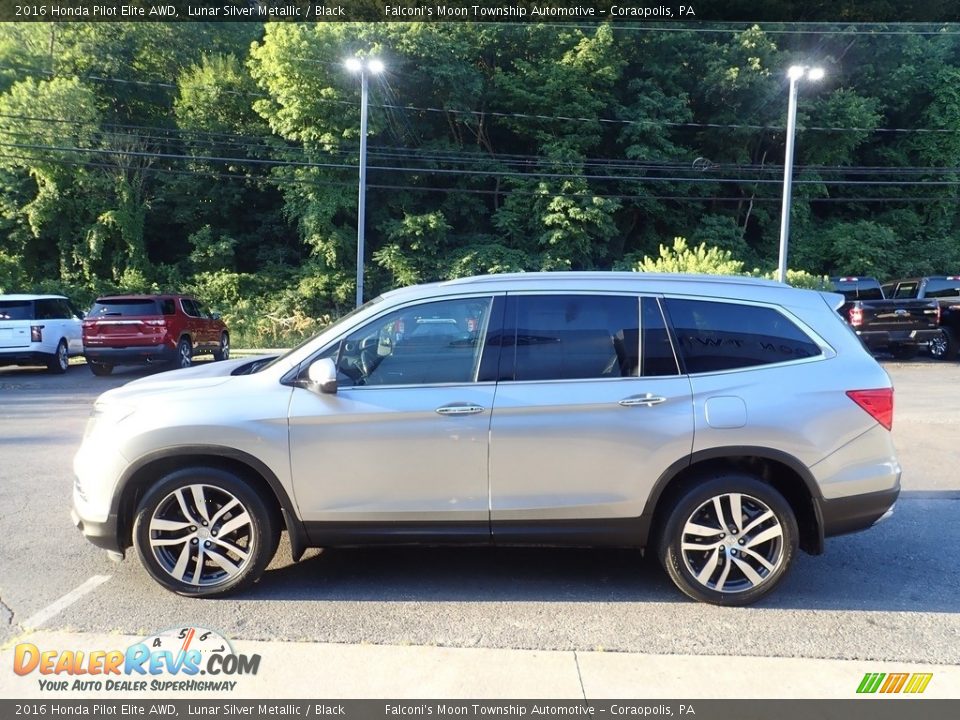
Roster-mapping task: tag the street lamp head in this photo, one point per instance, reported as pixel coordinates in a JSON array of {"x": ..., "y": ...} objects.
[
  {"x": 375, "y": 65},
  {"x": 815, "y": 73},
  {"x": 796, "y": 72},
  {"x": 353, "y": 64}
]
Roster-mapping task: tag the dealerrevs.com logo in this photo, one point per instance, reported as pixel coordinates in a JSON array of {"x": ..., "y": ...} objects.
[{"x": 181, "y": 659}]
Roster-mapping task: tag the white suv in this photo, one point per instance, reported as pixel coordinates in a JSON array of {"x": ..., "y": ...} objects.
[
  {"x": 721, "y": 423},
  {"x": 39, "y": 330}
]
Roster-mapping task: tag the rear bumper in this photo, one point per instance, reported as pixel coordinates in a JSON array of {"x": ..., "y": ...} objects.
[
  {"x": 844, "y": 515},
  {"x": 883, "y": 338},
  {"x": 131, "y": 355},
  {"x": 24, "y": 357}
]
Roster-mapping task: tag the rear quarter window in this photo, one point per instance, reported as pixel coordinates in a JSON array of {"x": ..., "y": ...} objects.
[
  {"x": 16, "y": 310},
  {"x": 715, "y": 336}
]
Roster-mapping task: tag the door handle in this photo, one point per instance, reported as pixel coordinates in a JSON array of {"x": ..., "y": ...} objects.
[
  {"x": 460, "y": 409},
  {"x": 646, "y": 400}
]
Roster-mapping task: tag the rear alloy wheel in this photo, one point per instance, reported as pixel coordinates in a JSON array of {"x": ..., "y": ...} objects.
[
  {"x": 99, "y": 369},
  {"x": 60, "y": 360},
  {"x": 203, "y": 532},
  {"x": 729, "y": 541},
  {"x": 944, "y": 346},
  {"x": 223, "y": 351},
  {"x": 184, "y": 354}
]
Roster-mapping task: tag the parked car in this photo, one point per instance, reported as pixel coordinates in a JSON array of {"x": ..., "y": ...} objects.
[
  {"x": 945, "y": 289},
  {"x": 153, "y": 329},
  {"x": 900, "y": 326},
  {"x": 720, "y": 423},
  {"x": 39, "y": 330}
]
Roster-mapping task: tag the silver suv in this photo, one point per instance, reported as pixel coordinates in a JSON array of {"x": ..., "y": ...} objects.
[{"x": 719, "y": 423}]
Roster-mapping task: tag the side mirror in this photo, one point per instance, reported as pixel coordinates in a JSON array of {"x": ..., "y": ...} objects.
[
  {"x": 215, "y": 316},
  {"x": 322, "y": 376}
]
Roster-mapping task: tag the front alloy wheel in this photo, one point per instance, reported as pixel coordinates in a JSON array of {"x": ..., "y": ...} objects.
[
  {"x": 729, "y": 541},
  {"x": 202, "y": 532}
]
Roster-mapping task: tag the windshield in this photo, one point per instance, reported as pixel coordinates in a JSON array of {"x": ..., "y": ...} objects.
[{"x": 311, "y": 338}]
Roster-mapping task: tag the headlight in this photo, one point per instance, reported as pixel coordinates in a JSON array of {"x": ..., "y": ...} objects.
[{"x": 106, "y": 414}]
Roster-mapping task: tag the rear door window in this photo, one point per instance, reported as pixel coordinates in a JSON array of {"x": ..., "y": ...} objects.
[
  {"x": 715, "y": 336},
  {"x": 107, "y": 308},
  {"x": 568, "y": 337},
  {"x": 906, "y": 290}
]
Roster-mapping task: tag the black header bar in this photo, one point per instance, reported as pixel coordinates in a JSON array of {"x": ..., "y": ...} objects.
[{"x": 545, "y": 11}]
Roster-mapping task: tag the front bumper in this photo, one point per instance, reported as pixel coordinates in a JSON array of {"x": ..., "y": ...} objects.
[{"x": 102, "y": 534}]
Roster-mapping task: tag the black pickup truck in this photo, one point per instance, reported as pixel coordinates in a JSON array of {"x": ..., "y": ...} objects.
[
  {"x": 899, "y": 326},
  {"x": 944, "y": 289}
]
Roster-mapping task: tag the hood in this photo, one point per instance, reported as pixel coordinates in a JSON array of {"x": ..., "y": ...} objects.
[{"x": 186, "y": 380}]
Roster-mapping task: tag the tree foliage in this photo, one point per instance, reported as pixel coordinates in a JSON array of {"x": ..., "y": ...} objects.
[{"x": 223, "y": 158}]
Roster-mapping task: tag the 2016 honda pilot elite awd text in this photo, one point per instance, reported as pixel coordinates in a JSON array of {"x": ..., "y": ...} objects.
[{"x": 720, "y": 423}]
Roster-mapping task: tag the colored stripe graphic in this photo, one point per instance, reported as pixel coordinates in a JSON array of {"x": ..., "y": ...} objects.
[
  {"x": 895, "y": 682},
  {"x": 918, "y": 683},
  {"x": 870, "y": 682}
]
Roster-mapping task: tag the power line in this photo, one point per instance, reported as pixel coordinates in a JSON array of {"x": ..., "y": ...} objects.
[
  {"x": 461, "y": 157},
  {"x": 479, "y": 191},
  {"x": 538, "y": 116},
  {"x": 533, "y": 175}
]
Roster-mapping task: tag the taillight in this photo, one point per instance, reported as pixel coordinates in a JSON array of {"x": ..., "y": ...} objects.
[
  {"x": 878, "y": 403},
  {"x": 856, "y": 316},
  {"x": 937, "y": 315},
  {"x": 36, "y": 333}
]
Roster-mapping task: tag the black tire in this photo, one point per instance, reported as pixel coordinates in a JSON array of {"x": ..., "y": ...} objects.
[
  {"x": 60, "y": 360},
  {"x": 727, "y": 575},
  {"x": 203, "y": 565},
  {"x": 945, "y": 346},
  {"x": 223, "y": 349},
  {"x": 904, "y": 352},
  {"x": 99, "y": 369},
  {"x": 184, "y": 357}
]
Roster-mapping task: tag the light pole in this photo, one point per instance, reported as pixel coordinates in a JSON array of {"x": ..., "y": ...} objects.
[
  {"x": 363, "y": 66},
  {"x": 795, "y": 73}
]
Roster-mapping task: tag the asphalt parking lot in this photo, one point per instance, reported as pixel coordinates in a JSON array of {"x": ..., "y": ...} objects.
[{"x": 892, "y": 593}]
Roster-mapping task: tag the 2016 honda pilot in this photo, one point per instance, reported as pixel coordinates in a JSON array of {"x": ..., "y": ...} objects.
[{"x": 719, "y": 423}]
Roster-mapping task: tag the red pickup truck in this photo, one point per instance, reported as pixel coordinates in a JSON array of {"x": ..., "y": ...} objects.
[{"x": 151, "y": 329}]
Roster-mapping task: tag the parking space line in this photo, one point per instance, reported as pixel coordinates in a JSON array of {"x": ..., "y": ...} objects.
[{"x": 58, "y": 606}]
